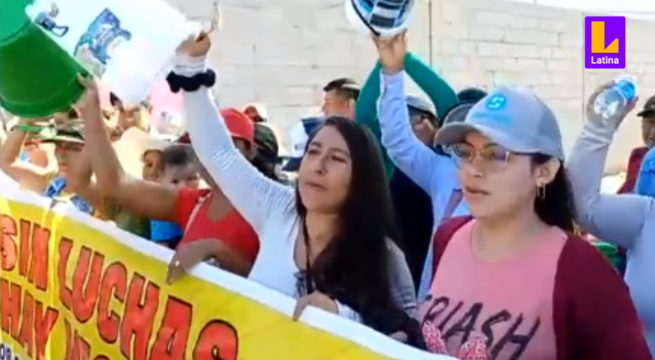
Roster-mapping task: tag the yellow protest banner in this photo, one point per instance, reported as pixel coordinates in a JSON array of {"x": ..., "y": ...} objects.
[{"x": 75, "y": 288}]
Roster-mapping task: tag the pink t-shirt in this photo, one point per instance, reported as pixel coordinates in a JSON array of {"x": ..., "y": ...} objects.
[{"x": 509, "y": 302}]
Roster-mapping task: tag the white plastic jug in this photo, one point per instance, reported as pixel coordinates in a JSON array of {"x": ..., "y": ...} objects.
[
  {"x": 128, "y": 44},
  {"x": 384, "y": 18}
]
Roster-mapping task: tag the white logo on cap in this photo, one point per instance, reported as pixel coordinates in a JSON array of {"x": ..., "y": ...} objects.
[{"x": 496, "y": 102}]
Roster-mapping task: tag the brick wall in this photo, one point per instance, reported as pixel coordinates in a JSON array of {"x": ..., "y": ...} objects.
[{"x": 282, "y": 52}]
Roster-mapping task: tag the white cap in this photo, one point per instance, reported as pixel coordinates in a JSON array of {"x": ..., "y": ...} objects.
[{"x": 299, "y": 136}]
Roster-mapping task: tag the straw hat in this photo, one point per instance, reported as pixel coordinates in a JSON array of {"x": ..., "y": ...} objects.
[{"x": 133, "y": 145}]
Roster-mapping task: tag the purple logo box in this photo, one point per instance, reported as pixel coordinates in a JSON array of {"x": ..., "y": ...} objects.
[{"x": 604, "y": 42}]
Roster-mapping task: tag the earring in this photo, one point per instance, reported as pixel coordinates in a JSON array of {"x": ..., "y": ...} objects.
[{"x": 541, "y": 191}]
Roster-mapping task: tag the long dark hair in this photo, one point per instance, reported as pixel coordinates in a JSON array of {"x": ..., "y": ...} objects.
[
  {"x": 556, "y": 207},
  {"x": 355, "y": 267},
  {"x": 266, "y": 168}
]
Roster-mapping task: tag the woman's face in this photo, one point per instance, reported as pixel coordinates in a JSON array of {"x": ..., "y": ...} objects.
[
  {"x": 325, "y": 171},
  {"x": 495, "y": 180},
  {"x": 423, "y": 128},
  {"x": 151, "y": 165},
  {"x": 66, "y": 152}
]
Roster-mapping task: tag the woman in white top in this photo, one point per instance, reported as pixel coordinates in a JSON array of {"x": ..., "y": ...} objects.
[{"x": 326, "y": 242}]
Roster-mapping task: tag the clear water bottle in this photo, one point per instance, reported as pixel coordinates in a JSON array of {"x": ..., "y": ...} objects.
[{"x": 616, "y": 98}]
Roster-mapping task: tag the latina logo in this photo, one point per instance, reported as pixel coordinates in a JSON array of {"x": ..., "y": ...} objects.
[{"x": 605, "y": 42}]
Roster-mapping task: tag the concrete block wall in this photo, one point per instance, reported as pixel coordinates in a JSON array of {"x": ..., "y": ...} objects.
[{"x": 282, "y": 52}]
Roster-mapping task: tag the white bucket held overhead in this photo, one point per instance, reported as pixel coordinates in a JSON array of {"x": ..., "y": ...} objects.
[
  {"x": 384, "y": 18},
  {"x": 127, "y": 44}
]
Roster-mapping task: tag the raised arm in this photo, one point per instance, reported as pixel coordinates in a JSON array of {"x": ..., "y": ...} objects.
[
  {"x": 443, "y": 97},
  {"x": 366, "y": 113},
  {"x": 618, "y": 219},
  {"x": 79, "y": 181},
  {"x": 141, "y": 197},
  {"x": 29, "y": 176},
  {"x": 407, "y": 152},
  {"x": 255, "y": 196}
]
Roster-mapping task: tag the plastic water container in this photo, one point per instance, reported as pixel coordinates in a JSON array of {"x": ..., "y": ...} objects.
[
  {"x": 37, "y": 77},
  {"x": 384, "y": 18},
  {"x": 129, "y": 45},
  {"x": 614, "y": 100}
]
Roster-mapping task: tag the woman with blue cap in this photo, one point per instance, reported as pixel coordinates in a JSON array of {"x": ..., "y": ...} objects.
[{"x": 514, "y": 269}]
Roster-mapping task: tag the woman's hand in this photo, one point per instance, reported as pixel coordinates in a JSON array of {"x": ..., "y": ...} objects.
[
  {"x": 190, "y": 255},
  {"x": 392, "y": 52},
  {"x": 196, "y": 45},
  {"x": 89, "y": 105},
  {"x": 315, "y": 299},
  {"x": 618, "y": 118}
]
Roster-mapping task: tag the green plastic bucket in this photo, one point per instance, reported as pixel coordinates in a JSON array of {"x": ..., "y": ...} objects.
[{"x": 37, "y": 77}]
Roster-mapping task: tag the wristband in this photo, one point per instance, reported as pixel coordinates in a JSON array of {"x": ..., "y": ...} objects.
[
  {"x": 27, "y": 128},
  {"x": 190, "y": 83}
]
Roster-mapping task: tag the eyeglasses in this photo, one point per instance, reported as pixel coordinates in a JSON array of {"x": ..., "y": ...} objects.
[
  {"x": 492, "y": 157},
  {"x": 415, "y": 119}
]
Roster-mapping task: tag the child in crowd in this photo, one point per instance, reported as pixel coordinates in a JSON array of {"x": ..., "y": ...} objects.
[{"x": 179, "y": 169}]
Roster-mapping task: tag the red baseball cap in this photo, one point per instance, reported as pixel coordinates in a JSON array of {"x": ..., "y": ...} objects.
[{"x": 238, "y": 124}]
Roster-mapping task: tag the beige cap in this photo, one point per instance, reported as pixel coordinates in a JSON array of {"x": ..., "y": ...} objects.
[{"x": 133, "y": 145}]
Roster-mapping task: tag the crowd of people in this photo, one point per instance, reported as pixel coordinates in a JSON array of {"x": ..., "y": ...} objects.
[{"x": 454, "y": 224}]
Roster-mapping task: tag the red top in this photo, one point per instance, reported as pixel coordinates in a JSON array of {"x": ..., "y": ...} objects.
[
  {"x": 592, "y": 313},
  {"x": 233, "y": 230},
  {"x": 634, "y": 163}
]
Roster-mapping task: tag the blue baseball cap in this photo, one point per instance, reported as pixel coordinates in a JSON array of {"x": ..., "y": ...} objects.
[
  {"x": 513, "y": 117},
  {"x": 299, "y": 137}
]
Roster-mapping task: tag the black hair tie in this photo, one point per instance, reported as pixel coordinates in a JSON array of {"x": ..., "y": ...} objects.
[{"x": 190, "y": 83}]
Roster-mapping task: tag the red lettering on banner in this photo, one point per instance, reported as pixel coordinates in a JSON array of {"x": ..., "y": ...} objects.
[
  {"x": 138, "y": 318},
  {"x": 113, "y": 285},
  {"x": 218, "y": 340},
  {"x": 10, "y": 307},
  {"x": 33, "y": 253},
  {"x": 76, "y": 347},
  {"x": 173, "y": 335},
  {"x": 125, "y": 304},
  {"x": 44, "y": 323},
  {"x": 86, "y": 283},
  {"x": 40, "y": 257},
  {"x": 25, "y": 319},
  {"x": 8, "y": 246},
  {"x": 65, "y": 293},
  {"x": 23, "y": 260},
  {"x": 26, "y": 337}
]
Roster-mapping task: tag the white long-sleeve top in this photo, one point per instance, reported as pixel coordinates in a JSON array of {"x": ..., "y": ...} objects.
[{"x": 267, "y": 205}]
